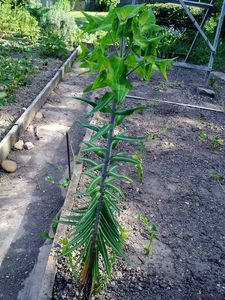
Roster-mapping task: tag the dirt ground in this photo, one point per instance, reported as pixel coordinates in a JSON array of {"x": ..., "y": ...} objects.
[{"x": 179, "y": 194}]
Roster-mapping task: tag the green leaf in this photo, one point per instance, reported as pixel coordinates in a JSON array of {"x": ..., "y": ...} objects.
[
  {"x": 96, "y": 168},
  {"x": 128, "y": 112},
  {"x": 113, "y": 196},
  {"x": 106, "y": 24},
  {"x": 93, "y": 104},
  {"x": 101, "y": 132},
  {"x": 55, "y": 222},
  {"x": 147, "y": 250},
  {"x": 116, "y": 189},
  {"x": 93, "y": 184},
  {"x": 146, "y": 18},
  {"x": 93, "y": 148},
  {"x": 162, "y": 66},
  {"x": 104, "y": 253},
  {"x": 120, "y": 176},
  {"x": 88, "y": 125},
  {"x": 113, "y": 205},
  {"x": 126, "y": 138},
  {"x": 93, "y": 22},
  {"x": 89, "y": 161},
  {"x": 89, "y": 174},
  {"x": 106, "y": 99},
  {"x": 128, "y": 11},
  {"x": 124, "y": 158},
  {"x": 3, "y": 95},
  {"x": 45, "y": 235}
]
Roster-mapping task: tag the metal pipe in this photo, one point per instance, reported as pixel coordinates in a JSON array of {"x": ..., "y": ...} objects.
[
  {"x": 68, "y": 154},
  {"x": 178, "y": 104},
  {"x": 217, "y": 36},
  {"x": 196, "y": 25},
  {"x": 197, "y": 34}
]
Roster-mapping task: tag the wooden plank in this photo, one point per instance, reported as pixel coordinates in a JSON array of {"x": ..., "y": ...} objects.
[{"x": 191, "y": 66}]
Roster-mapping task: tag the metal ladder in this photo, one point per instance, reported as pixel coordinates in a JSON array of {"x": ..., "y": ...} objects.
[{"x": 212, "y": 46}]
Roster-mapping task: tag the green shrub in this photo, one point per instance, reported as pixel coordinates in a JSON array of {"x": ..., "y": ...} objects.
[
  {"x": 172, "y": 43},
  {"x": 173, "y": 14},
  {"x": 63, "y": 4},
  {"x": 18, "y": 20},
  {"x": 58, "y": 22},
  {"x": 54, "y": 46},
  {"x": 14, "y": 72},
  {"x": 38, "y": 12}
]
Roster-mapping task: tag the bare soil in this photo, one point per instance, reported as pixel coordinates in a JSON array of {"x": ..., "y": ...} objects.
[{"x": 178, "y": 194}]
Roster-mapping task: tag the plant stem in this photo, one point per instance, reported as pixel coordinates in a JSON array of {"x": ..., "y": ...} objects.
[{"x": 88, "y": 283}]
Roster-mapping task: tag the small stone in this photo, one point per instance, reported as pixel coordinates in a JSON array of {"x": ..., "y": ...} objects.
[
  {"x": 206, "y": 92},
  {"x": 119, "y": 274},
  {"x": 39, "y": 115},
  {"x": 9, "y": 166},
  {"x": 28, "y": 146},
  {"x": 19, "y": 145}
]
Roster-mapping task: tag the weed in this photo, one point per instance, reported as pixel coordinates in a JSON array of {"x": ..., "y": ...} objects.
[
  {"x": 151, "y": 231},
  {"x": 216, "y": 143},
  {"x": 202, "y": 136},
  {"x": 151, "y": 136},
  {"x": 18, "y": 20},
  {"x": 166, "y": 128},
  {"x": 218, "y": 178},
  {"x": 53, "y": 45},
  {"x": 212, "y": 81},
  {"x": 54, "y": 225},
  {"x": 14, "y": 72},
  {"x": 2, "y": 98},
  {"x": 64, "y": 184}
]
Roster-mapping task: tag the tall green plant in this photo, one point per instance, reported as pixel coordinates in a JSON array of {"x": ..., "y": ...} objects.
[{"x": 96, "y": 233}]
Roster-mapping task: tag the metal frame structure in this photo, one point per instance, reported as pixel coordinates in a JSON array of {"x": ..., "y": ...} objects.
[{"x": 200, "y": 32}]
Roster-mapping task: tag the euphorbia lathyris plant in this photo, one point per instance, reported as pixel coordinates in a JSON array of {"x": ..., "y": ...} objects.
[{"x": 133, "y": 35}]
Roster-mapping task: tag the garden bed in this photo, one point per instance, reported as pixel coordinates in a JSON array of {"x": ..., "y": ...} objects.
[
  {"x": 183, "y": 193},
  {"x": 9, "y": 113}
]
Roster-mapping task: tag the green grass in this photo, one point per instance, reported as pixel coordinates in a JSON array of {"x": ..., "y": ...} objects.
[{"x": 80, "y": 18}]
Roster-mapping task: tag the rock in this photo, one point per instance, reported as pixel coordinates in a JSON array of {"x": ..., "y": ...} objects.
[
  {"x": 206, "y": 92},
  {"x": 9, "y": 166},
  {"x": 39, "y": 115},
  {"x": 28, "y": 146},
  {"x": 19, "y": 145}
]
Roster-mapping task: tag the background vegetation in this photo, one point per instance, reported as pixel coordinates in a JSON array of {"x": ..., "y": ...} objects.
[{"x": 28, "y": 29}]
